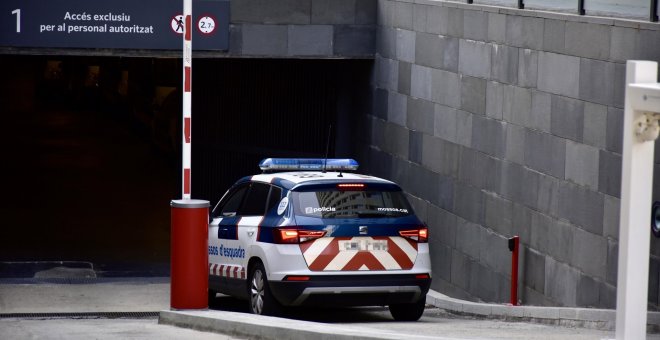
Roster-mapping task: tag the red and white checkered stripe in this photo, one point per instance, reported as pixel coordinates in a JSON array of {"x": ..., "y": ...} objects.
[
  {"x": 229, "y": 271},
  {"x": 187, "y": 81},
  {"x": 324, "y": 254}
]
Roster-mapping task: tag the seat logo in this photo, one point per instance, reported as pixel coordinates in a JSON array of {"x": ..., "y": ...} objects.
[{"x": 364, "y": 230}]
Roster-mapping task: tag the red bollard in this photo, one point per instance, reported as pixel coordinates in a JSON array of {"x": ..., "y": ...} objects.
[
  {"x": 514, "y": 246},
  {"x": 189, "y": 254}
]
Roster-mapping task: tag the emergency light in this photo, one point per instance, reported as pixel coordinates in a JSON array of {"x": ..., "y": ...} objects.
[{"x": 301, "y": 164}]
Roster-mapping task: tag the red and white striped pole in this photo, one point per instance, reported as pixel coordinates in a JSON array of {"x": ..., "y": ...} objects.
[
  {"x": 189, "y": 261},
  {"x": 187, "y": 94}
]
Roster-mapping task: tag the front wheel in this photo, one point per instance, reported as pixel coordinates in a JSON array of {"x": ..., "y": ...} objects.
[
  {"x": 408, "y": 311},
  {"x": 262, "y": 301}
]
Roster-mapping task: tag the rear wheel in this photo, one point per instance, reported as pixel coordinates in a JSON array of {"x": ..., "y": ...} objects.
[
  {"x": 261, "y": 300},
  {"x": 408, "y": 311},
  {"x": 211, "y": 297}
]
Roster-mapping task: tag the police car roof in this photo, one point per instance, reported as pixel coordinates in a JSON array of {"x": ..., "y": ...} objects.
[{"x": 289, "y": 180}]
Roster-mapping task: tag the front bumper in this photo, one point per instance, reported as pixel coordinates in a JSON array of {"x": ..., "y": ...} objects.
[{"x": 351, "y": 290}]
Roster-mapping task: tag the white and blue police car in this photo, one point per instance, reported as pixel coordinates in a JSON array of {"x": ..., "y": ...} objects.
[{"x": 312, "y": 232}]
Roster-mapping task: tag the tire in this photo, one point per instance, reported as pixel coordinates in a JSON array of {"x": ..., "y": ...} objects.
[
  {"x": 408, "y": 311},
  {"x": 211, "y": 297},
  {"x": 655, "y": 219},
  {"x": 261, "y": 300}
]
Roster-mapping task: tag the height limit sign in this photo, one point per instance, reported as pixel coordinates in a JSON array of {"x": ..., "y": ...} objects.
[{"x": 206, "y": 24}]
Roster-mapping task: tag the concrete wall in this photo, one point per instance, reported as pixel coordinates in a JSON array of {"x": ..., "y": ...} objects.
[
  {"x": 303, "y": 28},
  {"x": 502, "y": 122}
]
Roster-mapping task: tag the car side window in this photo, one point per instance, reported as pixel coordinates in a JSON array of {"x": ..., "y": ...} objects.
[
  {"x": 274, "y": 197},
  {"x": 230, "y": 207},
  {"x": 255, "y": 202}
]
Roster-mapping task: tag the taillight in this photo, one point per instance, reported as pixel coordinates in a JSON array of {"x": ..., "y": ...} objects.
[
  {"x": 423, "y": 235},
  {"x": 286, "y": 236},
  {"x": 294, "y": 236},
  {"x": 309, "y": 235},
  {"x": 420, "y": 235}
]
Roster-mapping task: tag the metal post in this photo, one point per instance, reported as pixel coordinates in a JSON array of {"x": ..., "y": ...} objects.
[
  {"x": 654, "y": 11},
  {"x": 514, "y": 247},
  {"x": 521, "y": 4},
  {"x": 642, "y": 95},
  {"x": 580, "y": 8},
  {"x": 187, "y": 82}
]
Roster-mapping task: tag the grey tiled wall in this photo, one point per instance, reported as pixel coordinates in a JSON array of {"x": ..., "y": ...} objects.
[
  {"x": 501, "y": 122},
  {"x": 303, "y": 28}
]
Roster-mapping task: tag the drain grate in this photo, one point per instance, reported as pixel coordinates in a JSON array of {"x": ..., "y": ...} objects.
[
  {"x": 86, "y": 315},
  {"x": 73, "y": 281}
]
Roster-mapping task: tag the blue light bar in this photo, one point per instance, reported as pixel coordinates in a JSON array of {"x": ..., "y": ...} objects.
[{"x": 300, "y": 164}]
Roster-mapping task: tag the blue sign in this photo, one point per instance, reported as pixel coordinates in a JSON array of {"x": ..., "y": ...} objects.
[{"x": 124, "y": 24}]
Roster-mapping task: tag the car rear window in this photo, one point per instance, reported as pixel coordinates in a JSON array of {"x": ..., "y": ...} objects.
[{"x": 351, "y": 204}]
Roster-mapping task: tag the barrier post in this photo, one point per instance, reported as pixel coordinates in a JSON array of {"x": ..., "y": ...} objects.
[
  {"x": 514, "y": 247},
  {"x": 189, "y": 273},
  {"x": 189, "y": 254}
]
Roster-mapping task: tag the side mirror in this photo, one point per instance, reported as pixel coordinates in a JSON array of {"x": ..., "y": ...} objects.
[{"x": 655, "y": 219}]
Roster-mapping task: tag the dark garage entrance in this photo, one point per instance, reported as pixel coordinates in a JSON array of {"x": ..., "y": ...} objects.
[{"x": 91, "y": 145}]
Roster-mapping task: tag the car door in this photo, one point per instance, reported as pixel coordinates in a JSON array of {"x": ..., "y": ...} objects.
[
  {"x": 250, "y": 217},
  {"x": 222, "y": 229},
  {"x": 237, "y": 229}
]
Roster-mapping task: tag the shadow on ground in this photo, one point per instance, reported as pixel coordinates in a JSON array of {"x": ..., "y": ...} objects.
[{"x": 316, "y": 314}]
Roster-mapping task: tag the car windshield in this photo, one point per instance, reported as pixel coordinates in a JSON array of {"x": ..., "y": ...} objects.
[{"x": 351, "y": 204}]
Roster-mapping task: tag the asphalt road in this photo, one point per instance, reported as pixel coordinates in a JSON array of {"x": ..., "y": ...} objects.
[
  {"x": 84, "y": 329},
  {"x": 152, "y": 295},
  {"x": 434, "y": 323}
]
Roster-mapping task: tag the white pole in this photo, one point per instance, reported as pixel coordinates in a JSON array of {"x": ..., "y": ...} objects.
[
  {"x": 636, "y": 196},
  {"x": 187, "y": 83}
]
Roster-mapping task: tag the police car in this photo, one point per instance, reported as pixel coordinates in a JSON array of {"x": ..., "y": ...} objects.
[{"x": 311, "y": 232}]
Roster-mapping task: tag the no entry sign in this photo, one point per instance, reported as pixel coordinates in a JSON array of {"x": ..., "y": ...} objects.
[{"x": 130, "y": 24}]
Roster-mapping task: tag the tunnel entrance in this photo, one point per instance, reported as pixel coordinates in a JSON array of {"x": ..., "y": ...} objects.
[{"x": 92, "y": 145}]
